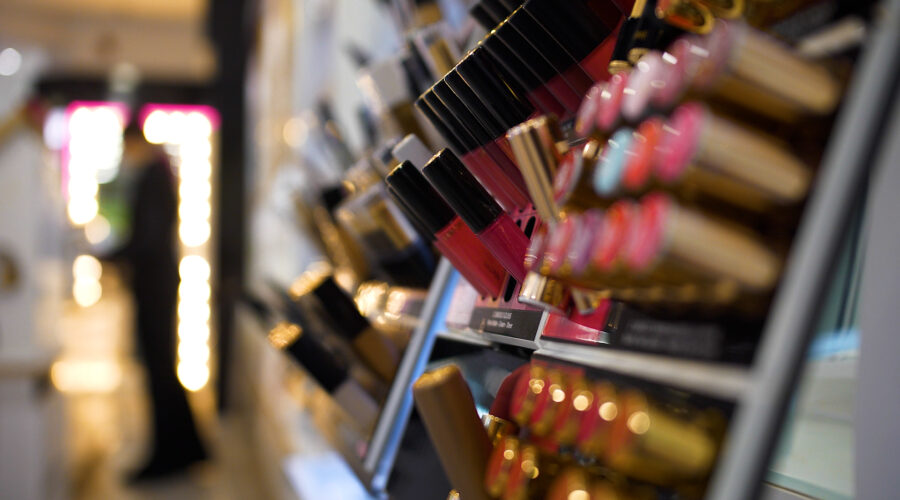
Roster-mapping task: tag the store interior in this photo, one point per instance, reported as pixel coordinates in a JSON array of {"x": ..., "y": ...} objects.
[{"x": 461, "y": 249}]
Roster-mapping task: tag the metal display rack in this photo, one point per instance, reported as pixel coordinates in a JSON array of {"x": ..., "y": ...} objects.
[{"x": 762, "y": 391}]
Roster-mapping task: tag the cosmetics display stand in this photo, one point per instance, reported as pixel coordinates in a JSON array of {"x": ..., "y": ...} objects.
[
  {"x": 755, "y": 395},
  {"x": 761, "y": 392}
]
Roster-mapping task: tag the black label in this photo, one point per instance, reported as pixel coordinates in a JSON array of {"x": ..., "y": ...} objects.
[
  {"x": 677, "y": 338},
  {"x": 514, "y": 323}
]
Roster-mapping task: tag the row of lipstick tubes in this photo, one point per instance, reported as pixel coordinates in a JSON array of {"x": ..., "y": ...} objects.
[{"x": 570, "y": 418}]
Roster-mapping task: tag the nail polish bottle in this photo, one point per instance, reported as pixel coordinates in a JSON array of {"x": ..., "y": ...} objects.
[
  {"x": 473, "y": 156},
  {"x": 587, "y": 30},
  {"x": 452, "y": 237},
  {"x": 532, "y": 58},
  {"x": 549, "y": 46},
  {"x": 480, "y": 212},
  {"x": 506, "y": 61}
]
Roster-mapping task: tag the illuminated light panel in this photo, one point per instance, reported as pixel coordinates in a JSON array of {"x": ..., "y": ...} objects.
[
  {"x": 86, "y": 273},
  {"x": 185, "y": 132},
  {"x": 86, "y": 292},
  {"x": 87, "y": 267},
  {"x": 91, "y": 154},
  {"x": 91, "y": 376},
  {"x": 97, "y": 230},
  {"x": 193, "y": 268},
  {"x": 193, "y": 376}
]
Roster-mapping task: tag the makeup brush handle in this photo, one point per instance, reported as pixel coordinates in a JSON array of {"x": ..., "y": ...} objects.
[{"x": 448, "y": 410}]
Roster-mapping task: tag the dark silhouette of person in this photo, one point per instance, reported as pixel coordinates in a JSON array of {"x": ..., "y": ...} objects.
[{"x": 150, "y": 256}]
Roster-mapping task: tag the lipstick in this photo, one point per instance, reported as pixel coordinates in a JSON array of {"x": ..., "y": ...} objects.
[
  {"x": 534, "y": 145},
  {"x": 608, "y": 174},
  {"x": 452, "y": 237},
  {"x": 475, "y": 158},
  {"x": 600, "y": 414},
  {"x": 646, "y": 141},
  {"x": 729, "y": 161},
  {"x": 573, "y": 186},
  {"x": 500, "y": 465},
  {"x": 587, "y": 30},
  {"x": 448, "y": 410},
  {"x": 650, "y": 443},
  {"x": 327, "y": 369},
  {"x": 480, "y": 212},
  {"x": 646, "y": 76},
  {"x": 586, "y": 117},
  {"x": 369, "y": 344},
  {"x": 748, "y": 68},
  {"x": 530, "y": 475},
  {"x": 517, "y": 71},
  {"x": 676, "y": 245},
  {"x": 495, "y": 147},
  {"x": 606, "y": 264},
  {"x": 544, "y": 293},
  {"x": 609, "y": 105}
]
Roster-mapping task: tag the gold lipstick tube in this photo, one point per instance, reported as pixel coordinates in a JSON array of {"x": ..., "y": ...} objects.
[{"x": 651, "y": 444}]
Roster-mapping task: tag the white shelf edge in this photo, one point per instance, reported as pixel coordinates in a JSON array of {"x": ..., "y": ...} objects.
[
  {"x": 728, "y": 382},
  {"x": 466, "y": 336}
]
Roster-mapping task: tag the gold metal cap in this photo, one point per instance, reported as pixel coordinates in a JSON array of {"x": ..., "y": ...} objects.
[
  {"x": 497, "y": 427},
  {"x": 543, "y": 292},
  {"x": 534, "y": 144},
  {"x": 686, "y": 14},
  {"x": 284, "y": 334}
]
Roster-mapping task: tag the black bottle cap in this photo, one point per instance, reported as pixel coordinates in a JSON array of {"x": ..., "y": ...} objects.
[
  {"x": 411, "y": 214},
  {"x": 449, "y": 135},
  {"x": 441, "y": 110},
  {"x": 462, "y": 191},
  {"x": 483, "y": 16},
  {"x": 506, "y": 106},
  {"x": 472, "y": 101},
  {"x": 511, "y": 4},
  {"x": 497, "y": 8},
  {"x": 416, "y": 192},
  {"x": 329, "y": 370},
  {"x": 542, "y": 41},
  {"x": 497, "y": 73},
  {"x": 651, "y": 32},
  {"x": 504, "y": 58},
  {"x": 625, "y": 40},
  {"x": 573, "y": 24},
  {"x": 524, "y": 50},
  {"x": 461, "y": 113},
  {"x": 340, "y": 308},
  {"x": 332, "y": 196}
]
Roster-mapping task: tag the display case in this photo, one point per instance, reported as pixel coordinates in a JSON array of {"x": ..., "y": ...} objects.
[{"x": 751, "y": 382}]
